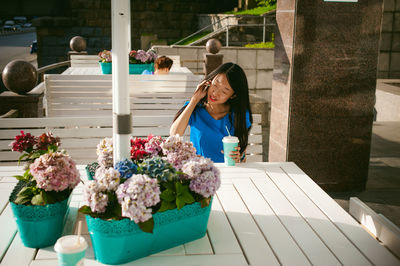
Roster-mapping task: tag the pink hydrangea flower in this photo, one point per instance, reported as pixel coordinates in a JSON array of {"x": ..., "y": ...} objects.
[
  {"x": 55, "y": 171},
  {"x": 137, "y": 195},
  {"x": 178, "y": 151},
  {"x": 105, "y": 153},
  {"x": 153, "y": 146},
  {"x": 95, "y": 197}
]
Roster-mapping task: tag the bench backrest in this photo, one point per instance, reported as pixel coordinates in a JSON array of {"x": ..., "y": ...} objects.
[
  {"x": 91, "y": 95},
  {"x": 80, "y": 135},
  {"x": 93, "y": 60}
]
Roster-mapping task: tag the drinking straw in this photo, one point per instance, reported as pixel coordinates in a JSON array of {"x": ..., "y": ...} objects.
[
  {"x": 78, "y": 241},
  {"x": 229, "y": 133}
]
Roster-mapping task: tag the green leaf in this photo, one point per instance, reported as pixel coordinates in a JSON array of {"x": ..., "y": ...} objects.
[
  {"x": 26, "y": 191},
  {"x": 168, "y": 195},
  {"x": 44, "y": 196},
  {"x": 166, "y": 205},
  {"x": 85, "y": 210},
  {"x": 22, "y": 157},
  {"x": 22, "y": 199},
  {"x": 168, "y": 185},
  {"x": 147, "y": 226},
  {"x": 179, "y": 188},
  {"x": 187, "y": 197},
  {"x": 20, "y": 178},
  {"x": 52, "y": 148},
  {"x": 38, "y": 200},
  {"x": 180, "y": 203},
  {"x": 205, "y": 202}
]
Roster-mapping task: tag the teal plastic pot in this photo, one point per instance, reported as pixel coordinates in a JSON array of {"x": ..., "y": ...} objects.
[
  {"x": 137, "y": 69},
  {"x": 39, "y": 226},
  {"x": 117, "y": 242},
  {"x": 106, "y": 67},
  {"x": 91, "y": 170}
]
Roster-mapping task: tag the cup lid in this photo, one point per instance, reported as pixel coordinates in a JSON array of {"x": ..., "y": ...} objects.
[
  {"x": 231, "y": 139},
  {"x": 69, "y": 244}
]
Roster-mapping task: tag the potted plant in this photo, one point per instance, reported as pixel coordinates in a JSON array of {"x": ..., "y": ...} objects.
[
  {"x": 105, "y": 62},
  {"x": 39, "y": 201},
  {"x": 159, "y": 198},
  {"x": 141, "y": 60}
]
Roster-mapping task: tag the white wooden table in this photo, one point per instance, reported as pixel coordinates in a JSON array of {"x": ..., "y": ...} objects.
[
  {"x": 263, "y": 214},
  {"x": 97, "y": 71}
]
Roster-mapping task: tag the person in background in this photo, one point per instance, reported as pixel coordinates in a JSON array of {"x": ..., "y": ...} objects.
[
  {"x": 220, "y": 102},
  {"x": 162, "y": 65}
]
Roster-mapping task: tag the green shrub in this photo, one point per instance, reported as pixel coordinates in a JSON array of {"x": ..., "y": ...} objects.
[{"x": 260, "y": 45}]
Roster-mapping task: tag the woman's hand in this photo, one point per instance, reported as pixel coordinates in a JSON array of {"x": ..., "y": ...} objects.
[
  {"x": 201, "y": 91},
  {"x": 235, "y": 155}
]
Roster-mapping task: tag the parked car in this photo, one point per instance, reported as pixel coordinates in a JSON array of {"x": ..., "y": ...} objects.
[
  {"x": 20, "y": 20},
  {"x": 27, "y": 25},
  {"x": 9, "y": 25},
  {"x": 34, "y": 47}
]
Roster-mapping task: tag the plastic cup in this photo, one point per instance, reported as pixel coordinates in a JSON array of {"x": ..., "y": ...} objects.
[
  {"x": 230, "y": 143},
  {"x": 69, "y": 252}
]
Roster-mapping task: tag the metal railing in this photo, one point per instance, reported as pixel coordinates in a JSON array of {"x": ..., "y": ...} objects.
[
  {"x": 42, "y": 70},
  {"x": 227, "y": 27}
]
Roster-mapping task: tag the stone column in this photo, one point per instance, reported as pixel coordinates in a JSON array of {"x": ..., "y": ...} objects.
[
  {"x": 212, "y": 60},
  {"x": 323, "y": 89}
]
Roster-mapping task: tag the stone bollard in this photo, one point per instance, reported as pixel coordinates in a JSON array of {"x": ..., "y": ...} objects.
[
  {"x": 20, "y": 78},
  {"x": 78, "y": 46},
  {"x": 212, "y": 60}
]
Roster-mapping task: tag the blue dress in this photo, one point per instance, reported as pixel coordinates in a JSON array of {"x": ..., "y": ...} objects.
[{"x": 206, "y": 133}]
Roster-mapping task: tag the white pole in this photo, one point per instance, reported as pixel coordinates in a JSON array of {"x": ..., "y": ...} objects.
[{"x": 122, "y": 121}]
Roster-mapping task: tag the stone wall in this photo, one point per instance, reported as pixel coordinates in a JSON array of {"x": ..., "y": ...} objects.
[
  {"x": 389, "y": 56},
  {"x": 256, "y": 62},
  {"x": 168, "y": 19}
]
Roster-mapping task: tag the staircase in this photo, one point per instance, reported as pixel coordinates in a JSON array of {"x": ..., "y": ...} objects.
[{"x": 235, "y": 30}]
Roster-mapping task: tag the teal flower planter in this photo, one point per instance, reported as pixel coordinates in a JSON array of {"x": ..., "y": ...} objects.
[
  {"x": 117, "y": 242},
  {"x": 137, "y": 69},
  {"x": 106, "y": 67},
  {"x": 91, "y": 170},
  {"x": 39, "y": 226}
]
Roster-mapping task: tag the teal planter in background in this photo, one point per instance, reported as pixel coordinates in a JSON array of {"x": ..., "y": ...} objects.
[
  {"x": 117, "y": 242},
  {"x": 137, "y": 69},
  {"x": 106, "y": 67}
]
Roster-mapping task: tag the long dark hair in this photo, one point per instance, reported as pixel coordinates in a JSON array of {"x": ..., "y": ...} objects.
[{"x": 238, "y": 105}]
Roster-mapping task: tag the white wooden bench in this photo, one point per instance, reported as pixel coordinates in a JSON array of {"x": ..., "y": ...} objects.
[
  {"x": 80, "y": 135},
  {"x": 93, "y": 60},
  {"x": 91, "y": 95},
  {"x": 378, "y": 225}
]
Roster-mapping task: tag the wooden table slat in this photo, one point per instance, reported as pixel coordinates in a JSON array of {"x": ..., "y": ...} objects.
[
  {"x": 255, "y": 248},
  {"x": 274, "y": 231},
  {"x": 299, "y": 229},
  {"x": 343, "y": 249},
  {"x": 371, "y": 248}
]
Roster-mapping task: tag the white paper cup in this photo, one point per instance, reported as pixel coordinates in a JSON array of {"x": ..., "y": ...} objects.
[
  {"x": 70, "y": 253},
  {"x": 230, "y": 143}
]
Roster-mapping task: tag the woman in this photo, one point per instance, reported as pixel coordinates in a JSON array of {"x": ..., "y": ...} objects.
[
  {"x": 162, "y": 65},
  {"x": 220, "y": 101}
]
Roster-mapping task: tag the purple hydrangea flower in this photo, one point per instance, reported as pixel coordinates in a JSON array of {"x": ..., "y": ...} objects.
[
  {"x": 136, "y": 195},
  {"x": 205, "y": 177}
]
